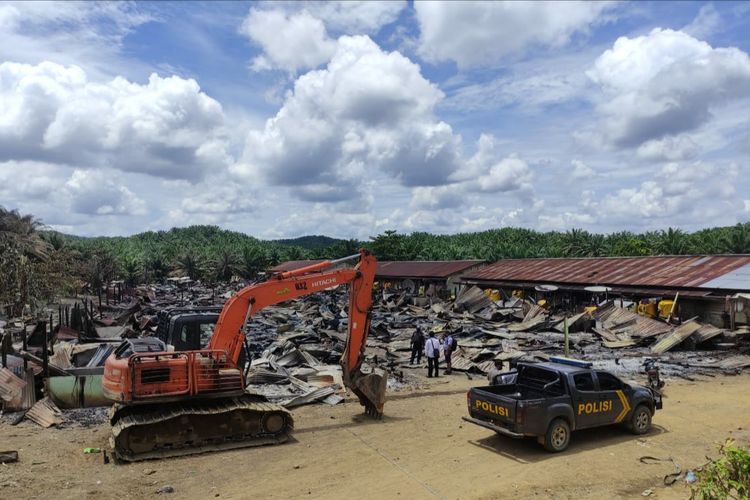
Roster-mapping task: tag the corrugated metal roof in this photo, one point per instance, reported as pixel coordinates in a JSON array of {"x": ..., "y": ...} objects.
[
  {"x": 737, "y": 279},
  {"x": 424, "y": 269},
  {"x": 684, "y": 271}
]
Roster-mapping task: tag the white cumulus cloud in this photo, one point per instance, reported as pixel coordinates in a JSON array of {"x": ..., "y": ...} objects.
[
  {"x": 669, "y": 148},
  {"x": 294, "y": 36},
  {"x": 486, "y": 172},
  {"x": 353, "y": 16},
  {"x": 476, "y": 33},
  {"x": 679, "y": 192},
  {"x": 98, "y": 192},
  {"x": 368, "y": 111},
  {"x": 664, "y": 84},
  {"x": 289, "y": 41},
  {"x": 53, "y": 113},
  {"x": 581, "y": 170}
]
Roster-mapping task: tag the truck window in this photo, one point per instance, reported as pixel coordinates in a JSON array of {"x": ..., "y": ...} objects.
[
  {"x": 583, "y": 382},
  {"x": 608, "y": 382},
  {"x": 533, "y": 377}
]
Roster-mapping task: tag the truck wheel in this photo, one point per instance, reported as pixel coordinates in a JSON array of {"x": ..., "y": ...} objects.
[
  {"x": 640, "y": 420},
  {"x": 558, "y": 436}
]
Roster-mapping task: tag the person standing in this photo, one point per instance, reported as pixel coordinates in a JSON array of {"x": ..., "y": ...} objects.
[
  {"x": 432, "y": 351},
  {"x": 417, "y": 345},
  {"x": 497, "y": 370},
  {"x": 449, "y": 346}
]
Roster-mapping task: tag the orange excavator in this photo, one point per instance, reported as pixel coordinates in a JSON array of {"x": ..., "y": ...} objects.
[{"x": 170, "y": 403}]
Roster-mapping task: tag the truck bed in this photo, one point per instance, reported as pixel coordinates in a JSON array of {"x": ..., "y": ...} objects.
[{"x": 515, "y": 392}]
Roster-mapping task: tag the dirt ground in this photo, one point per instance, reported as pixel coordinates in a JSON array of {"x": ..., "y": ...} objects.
[{"x": 420, "y": 449}]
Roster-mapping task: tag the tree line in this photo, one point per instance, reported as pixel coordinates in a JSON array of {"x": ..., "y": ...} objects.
[{"x": 37, "y": 264}]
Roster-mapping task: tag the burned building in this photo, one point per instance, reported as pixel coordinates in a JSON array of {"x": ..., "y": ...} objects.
[
  {"x": 705, "y": 286},
  {"x": 418, "y": 277},
  {"x": 440, "y": 278}
]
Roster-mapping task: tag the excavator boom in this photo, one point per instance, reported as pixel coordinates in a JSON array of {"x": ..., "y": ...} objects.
[{"x": 206, "y": 385}]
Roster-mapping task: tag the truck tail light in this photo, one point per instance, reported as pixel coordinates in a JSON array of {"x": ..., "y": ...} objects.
[{"x": 520, "y": 414}]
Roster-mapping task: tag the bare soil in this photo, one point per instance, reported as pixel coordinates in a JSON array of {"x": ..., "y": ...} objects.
[{"x": 420, "y": 449}]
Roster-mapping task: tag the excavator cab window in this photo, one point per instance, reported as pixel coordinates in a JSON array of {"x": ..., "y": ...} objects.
[{"x": 190, "y": 332}]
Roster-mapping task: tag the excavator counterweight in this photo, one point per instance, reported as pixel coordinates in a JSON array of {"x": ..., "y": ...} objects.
[{"x": 170, "y": 403}]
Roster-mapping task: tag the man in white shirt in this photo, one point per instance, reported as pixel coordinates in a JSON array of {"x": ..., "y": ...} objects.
[{"x": 432, "y": 351}]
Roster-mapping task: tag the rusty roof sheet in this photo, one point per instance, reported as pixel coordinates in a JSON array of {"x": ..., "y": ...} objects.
[
  {"x": 683, "y": 271},
  {"x": 424, "y": 269}
]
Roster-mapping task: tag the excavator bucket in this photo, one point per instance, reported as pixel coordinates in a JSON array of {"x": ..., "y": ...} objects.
[{"x": 370, "y": 389}]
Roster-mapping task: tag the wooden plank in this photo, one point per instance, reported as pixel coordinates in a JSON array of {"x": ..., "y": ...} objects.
[
  {"x": 618, "y": 344},
  {"x": 605, "y": 334}
]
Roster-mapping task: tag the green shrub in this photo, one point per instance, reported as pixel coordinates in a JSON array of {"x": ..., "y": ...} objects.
[{"x": 726, "y": 477}]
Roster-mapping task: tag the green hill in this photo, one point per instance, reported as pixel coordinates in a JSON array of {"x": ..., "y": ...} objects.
[{"x": 312, "y": 242}]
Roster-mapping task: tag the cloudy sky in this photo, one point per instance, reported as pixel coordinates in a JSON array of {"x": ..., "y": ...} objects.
[{"x": 347, "y": 119}]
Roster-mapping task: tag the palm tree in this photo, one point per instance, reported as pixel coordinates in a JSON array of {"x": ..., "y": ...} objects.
[
  {"x": 189, "y": 264},
  {"x": 575, "y": 243},
  {"x": 344, "y": 248},
  {"x": 55, "y": 240},
  {"x": 21, "y": 232},
  {"x": 389, "y": 245},
  {"x": 101, "y": 269},
  {"x": 253, "y": 261},
  {"x": 156, "y": 265},
  {"x": 737, "y": 239},
  {"x": 294, "y": 253},
  {"x": 21, "y": 249},
  {"x": 131, "y": 268},
  {"x": 673, "y": 242},
  {"x": 225, "y": 265}
]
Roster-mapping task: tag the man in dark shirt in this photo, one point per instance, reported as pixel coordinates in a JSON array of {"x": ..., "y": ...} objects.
[
  {"x": 417, "y": 345},
  {"x": 449, "y": 346}
]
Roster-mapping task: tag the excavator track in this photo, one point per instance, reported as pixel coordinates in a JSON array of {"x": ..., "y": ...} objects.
[{"x": 187, "y": 428}]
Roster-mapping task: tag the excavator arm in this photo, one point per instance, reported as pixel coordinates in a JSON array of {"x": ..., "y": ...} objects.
[{"x": 229, "y": 337}]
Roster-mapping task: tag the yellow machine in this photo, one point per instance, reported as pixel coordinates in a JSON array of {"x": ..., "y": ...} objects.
[
  {"x": 665, "y": 308},
  {"x": 656, "y": 308},
  {"x": 649, "y": 309}
]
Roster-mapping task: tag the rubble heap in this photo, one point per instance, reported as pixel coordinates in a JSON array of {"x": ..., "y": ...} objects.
[{"x": 293, "y": 349}]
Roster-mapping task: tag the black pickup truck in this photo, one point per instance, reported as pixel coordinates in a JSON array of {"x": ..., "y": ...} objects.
[{"x": 549, "y": 400}]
